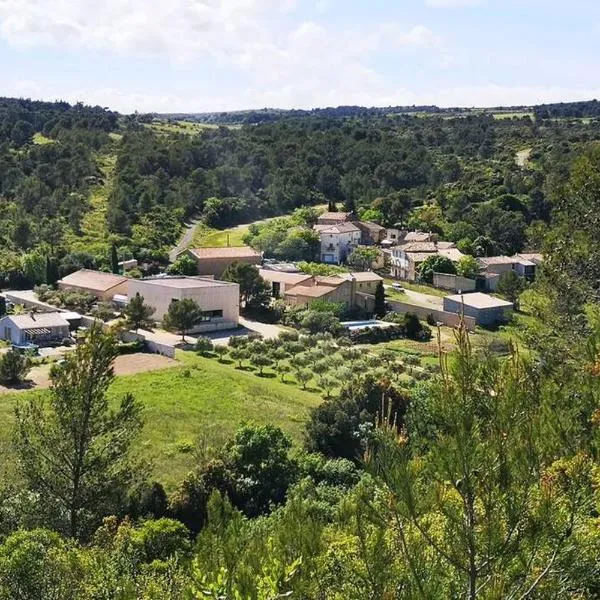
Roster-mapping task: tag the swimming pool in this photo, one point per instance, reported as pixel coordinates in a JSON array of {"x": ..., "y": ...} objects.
[{"x": 353, "y": 325}]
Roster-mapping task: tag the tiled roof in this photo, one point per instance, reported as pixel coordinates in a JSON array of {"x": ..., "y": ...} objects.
[
  {"x": 370, "y": 226},
  {"x": 419, "y": 247},
  {"x": 454, "y": 254},
  {"x": 335, "y": 216},
  {"x": 333, "y": 280},
  {"x": 38, "y": 320},
  {"x": 283, "y": 277},
  {"x": 316, "y": 291},
  {"x": 97, "y": 281},
  {"x": 225, "y": 252},
  {"x": 366, "y": 276},
  {"x": 486, "y": 261},
  {"x": 339, "y": 228}
]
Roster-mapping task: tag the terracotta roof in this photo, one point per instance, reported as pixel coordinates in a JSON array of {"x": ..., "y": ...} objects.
[
  {"x": 366, "y": 276},
  {"x": 479, "y": 300},
  {"x": 284, "y": 277},
  {"x": 419, "y": 247},
  {"x": 534, "y": 257},
  {"x": 335, "y": 216},
  {"x": 418, "y": 257},
  {"x": 315, "y": 291},
  {"x": 486, "y": 261},
  {"x": 97, "y": 281},
  {"x": 332, "y": 281},
  {"x": 339, "y": 228},
  {"x": 225, "y": 252},
  {"x": 445, "y": 245},
  {"x": 454, "y": 254},
  {"x": 417, "y": 236},
  {"x": 370, "y": 225},
  {"x": 38, "y": 320}
]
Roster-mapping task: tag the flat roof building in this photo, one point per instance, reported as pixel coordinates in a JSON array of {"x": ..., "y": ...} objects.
[
  {"x": 485, "y": 309},
  {"x": 218, "y": 300}
]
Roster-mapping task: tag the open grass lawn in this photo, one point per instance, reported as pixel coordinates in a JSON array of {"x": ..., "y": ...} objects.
[
  {"x": 206, "y": 237},
  {"x": 201, "y": 399},
  {"x": 41, "y": 139}
]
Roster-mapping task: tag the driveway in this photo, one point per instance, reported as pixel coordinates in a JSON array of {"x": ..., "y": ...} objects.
[{"x": 267, "y": 330}]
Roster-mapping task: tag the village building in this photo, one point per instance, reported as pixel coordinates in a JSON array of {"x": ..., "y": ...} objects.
[
  {"x": 218, "y": 300},
  {"x": 337, "y": 241},
  {"x": 103, "y": 286},
  {"x": 34, "y": 328},
  {"x": 485, "y": 309},
  {"x": 214, "y": 261},
  {"x": 406, "y": 259}
]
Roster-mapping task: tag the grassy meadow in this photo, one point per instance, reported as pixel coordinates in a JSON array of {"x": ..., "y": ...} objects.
[{"x": 201, "y": 402}]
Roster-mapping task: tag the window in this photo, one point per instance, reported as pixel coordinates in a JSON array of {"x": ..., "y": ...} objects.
[{"x": 209, "y": 315}]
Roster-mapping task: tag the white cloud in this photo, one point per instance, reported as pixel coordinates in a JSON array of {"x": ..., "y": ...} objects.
[
  {"x": 453, "y": 3},
  {"x": 274, "y": 59}
]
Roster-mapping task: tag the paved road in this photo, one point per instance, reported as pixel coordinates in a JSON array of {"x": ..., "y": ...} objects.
[{"x": 186, "y": 239}]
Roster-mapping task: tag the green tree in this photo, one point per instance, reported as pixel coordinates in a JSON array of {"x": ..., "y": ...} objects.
[
  {"x": 435, "y": 264},
  {"x": 303, "y": 376},
  {"x": 184, "y": 265},
  {"x": 510, "y": 285},
  {"x": 138, "y": 314},
  {"x": 260, "y": 361},
  {"x": 468, "y": 267},
  {"x": 71, "y": 446},
  {"x": 254, "y": 290},
  {"x": 363, "y": 257},
  {"x": 14, "y": 367},
  {"x": 182, "y": 316},
  {"x": 475, "y": 500},
  {"x": 114, "y": 259},
  {"x": 379, "y": 308}
]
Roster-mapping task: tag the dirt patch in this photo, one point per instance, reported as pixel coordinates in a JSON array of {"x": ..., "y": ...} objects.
[{"x": 128, "y": 364}]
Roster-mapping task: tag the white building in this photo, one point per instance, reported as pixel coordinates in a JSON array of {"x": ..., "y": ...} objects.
[
  {"x": 218, "y": 300},
  {"x": 338, "y": 241},
  {"x": 34, "y": 328}
]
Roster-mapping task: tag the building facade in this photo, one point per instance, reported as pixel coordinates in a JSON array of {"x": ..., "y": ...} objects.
[
  {"x": 34, "y": 328},
  {"x": 218, "y": 300},
  {"x": 485, "y": 309},
  {"x": 214, "y": 261},
  {"x": 104, "y": 286},
  {"x": 337, "y": 241}
]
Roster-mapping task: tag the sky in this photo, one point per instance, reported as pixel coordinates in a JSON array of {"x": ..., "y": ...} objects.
[{"x": 219, "y": 55}]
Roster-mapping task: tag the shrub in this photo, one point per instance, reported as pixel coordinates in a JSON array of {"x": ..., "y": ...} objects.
[
  {"x": 131, "y": 347},
  {"x": 13, "y": 367},
  {"x": 204, "y": 345}
]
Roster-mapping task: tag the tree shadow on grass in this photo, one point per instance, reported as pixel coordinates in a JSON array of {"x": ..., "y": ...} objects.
[
  {"x": 245, "y": 368},
  {"x": 267, "y": 375}
]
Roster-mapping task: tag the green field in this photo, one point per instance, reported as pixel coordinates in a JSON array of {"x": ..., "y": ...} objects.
[
  {"x": 201, "y": 400},
  {"x": 40, "y": 139},
  {"x": 207, "y": 237}
]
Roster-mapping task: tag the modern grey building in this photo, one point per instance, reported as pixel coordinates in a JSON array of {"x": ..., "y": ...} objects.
[{"x": 485, "y": 309}]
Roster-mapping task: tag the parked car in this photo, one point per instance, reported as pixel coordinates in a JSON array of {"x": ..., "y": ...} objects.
[{"x": 397, "y": 286}]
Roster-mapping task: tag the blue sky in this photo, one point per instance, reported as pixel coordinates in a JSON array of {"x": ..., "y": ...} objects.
[{"x": 205, "y": 55}]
